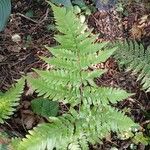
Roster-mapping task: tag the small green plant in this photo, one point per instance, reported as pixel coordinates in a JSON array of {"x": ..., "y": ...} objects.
[
  {"x": 9, "y": 100},
  {"x": 89, "y": 117},
  {"x": 136, "y": 59}
]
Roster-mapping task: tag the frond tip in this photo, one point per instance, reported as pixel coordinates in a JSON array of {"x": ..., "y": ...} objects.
[{"x": 10, "y": 99}]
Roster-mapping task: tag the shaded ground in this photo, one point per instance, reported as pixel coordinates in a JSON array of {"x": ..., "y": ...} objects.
[{"x": 23, "y": 41}]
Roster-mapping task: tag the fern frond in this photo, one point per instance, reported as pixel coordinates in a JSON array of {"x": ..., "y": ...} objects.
[
  {"x": 53, "y": 91},
  {"x": 89, "y": 118},
  {"x": 9, "y": 100},
  {"x": 136, "y": 59},
  {"x": 61, "y": 63},
  {"x": 62, "y": 53},
  {"x": 104, "y": 95},
  {"x": 69, "y": 130},
  {"x": 59, "y": 77},
  {"x": 50, "y": 134},
  {"x": 102, "y": 56}
]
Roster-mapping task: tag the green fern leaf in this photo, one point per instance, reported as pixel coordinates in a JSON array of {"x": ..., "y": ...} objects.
[
  {"x": 9, "y": 100},
  {"x": 52, "y": 91},
  {"x": 104, "y": 95},
  {"x": 136, "y": 59},
  {"x": 89, "y": 117}
]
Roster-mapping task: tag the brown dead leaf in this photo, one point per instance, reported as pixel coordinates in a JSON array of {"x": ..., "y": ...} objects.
[{"x": 29, "y": 121}]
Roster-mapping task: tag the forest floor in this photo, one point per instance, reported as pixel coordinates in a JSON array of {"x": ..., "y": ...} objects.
[{"x": 30, "y": 27}]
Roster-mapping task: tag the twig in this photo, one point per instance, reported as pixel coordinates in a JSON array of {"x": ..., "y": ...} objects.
[
  {"x": 28, "y": 18},
  {"x": 145, "y": 122},
  {"x": 34, "y": 21},
  {"x": 45, "y": 16}
]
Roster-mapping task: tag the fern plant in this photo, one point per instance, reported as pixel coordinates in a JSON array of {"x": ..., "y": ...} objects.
[
  {"x": 89, "y": 117},
  {"x": 136, "y": 59},
  {"x": 9, "y": 100}
]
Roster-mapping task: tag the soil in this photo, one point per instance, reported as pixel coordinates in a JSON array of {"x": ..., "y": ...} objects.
[{"x": 22, "y": 42}]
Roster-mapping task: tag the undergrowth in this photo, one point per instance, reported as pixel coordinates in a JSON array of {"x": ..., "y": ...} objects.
[
  {"x": 136, "y": 59},
  {"x": 9, "y": 100}
]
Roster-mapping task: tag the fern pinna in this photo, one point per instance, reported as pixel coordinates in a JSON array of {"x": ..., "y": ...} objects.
[
  {"x": 9, "y": 100},
  {"x": 136, "y": 59},
  {"x": 90, "y": 117}
]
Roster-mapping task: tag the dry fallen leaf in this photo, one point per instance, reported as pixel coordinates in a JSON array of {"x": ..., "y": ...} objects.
[{"x": 29, "y": 121}]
